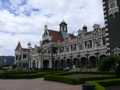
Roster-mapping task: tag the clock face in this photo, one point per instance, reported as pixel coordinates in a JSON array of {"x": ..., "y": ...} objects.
[{"x": 113, "y": 7}]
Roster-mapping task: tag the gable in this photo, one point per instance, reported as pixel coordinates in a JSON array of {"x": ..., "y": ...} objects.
[{"x": 18, "y": 46}]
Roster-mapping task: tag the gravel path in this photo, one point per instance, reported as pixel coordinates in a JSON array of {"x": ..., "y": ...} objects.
[{"x": 35, "y": 84}]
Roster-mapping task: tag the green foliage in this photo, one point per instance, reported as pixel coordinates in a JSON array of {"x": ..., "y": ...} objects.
[
  {"x": 97, "y": 85},
  {"x": 94, "y": 73},
  {"x": 71, "y": 80},
  {"x": 100, "y": 84},
  {"x": 61, "y": 79},
  {"x": 21, "y": 76},
  {"x": 109, "y": 82},
  {"x": 109, "y": 63}
]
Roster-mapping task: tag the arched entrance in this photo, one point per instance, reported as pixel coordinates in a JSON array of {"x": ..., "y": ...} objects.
[
  {"x": 33, "y": 64},
  {"x": 102, "y": 57},
  {"x": 92, "y": 61},
  {"x": 69, "y": 63},
  {"x": 83, "y": 62},
  {"x": 57, "y": 64},
  {"x": 45, "y": 64},
  {"x": 76, "y": 62},
  {"x": 63, "y": 64}
]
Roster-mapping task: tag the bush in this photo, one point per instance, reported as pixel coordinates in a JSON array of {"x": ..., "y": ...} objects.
[
  {"x": 109, "y": 82},
  {"x": 73, "y": 80},
  {"x": 109, "y": 63},
  {"x": 97, "y": 85},
  {"x": 102, "y": 73},
  {"x": 21, "y": 76},
  {"x": 61, "y": 79}
]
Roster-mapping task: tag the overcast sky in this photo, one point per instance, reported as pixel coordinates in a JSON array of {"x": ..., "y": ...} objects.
[{"x": 24, "y": 20}]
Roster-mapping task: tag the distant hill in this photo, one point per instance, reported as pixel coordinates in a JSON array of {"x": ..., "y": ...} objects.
[{"x": 6, "y": 60}]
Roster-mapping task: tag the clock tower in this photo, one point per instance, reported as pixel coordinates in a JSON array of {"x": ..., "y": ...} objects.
[{"x": 112, "y": 23}]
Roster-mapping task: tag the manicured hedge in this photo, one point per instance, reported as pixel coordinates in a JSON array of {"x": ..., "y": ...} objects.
[
  {"x": 97, "y": 85},
  {"x": 29, "y": 72},
  {"x": 109, "y": 82},
  {"x": 72, "y": 80},
  {"x": 60, "y": 79},
  {"x": 21, "y": 76},
  {"x": 102, "y": 73}
]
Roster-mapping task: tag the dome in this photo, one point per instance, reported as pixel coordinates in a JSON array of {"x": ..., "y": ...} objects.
[
  {"x": 84, "y": 27},
  {"x": 63, "y": 23}
]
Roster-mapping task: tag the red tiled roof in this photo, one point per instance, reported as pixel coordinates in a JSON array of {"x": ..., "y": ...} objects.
[{"x": 56, "y": 36}]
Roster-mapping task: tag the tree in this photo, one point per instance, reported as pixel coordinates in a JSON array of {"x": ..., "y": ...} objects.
[{"x": 111, "y": 63}]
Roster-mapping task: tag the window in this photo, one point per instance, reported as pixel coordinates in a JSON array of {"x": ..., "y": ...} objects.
[
  {"x": 62, "y": 49},
  {"x": 104, "y": 42},
  {"x": 113, "y": 7},
  {"x": 80, "y": 47},
  {"x": 67, "y": 48},
  {"x": 24, "y": 56},
  {"x": 85, "y": 44},
  {"x": 112, "y": 3},
  {"x": 88, "y": 44},
  {"x": 73, "y": 47}
]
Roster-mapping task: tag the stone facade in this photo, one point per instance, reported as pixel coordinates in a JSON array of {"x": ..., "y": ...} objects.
[
  {"x": 112, "y": 24},
  {"x": 62, "y": 50}
]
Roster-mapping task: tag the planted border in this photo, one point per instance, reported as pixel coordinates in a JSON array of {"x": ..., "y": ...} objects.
[
  {"x": 97, "y": 85},
  {"x": 109, "y": 82},
  {"x": 69, "y": 80}
]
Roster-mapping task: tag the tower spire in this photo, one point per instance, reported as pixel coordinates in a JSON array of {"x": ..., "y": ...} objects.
[{"x": 45, "y": 27}]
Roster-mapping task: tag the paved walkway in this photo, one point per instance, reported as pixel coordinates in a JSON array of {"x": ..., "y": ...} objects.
[
  {"x": 113, "y": 88},
  {"x": 35, "y": 84}
]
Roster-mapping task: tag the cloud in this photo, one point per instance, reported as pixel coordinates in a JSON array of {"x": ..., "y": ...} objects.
[{"x": 24, "y": 20}]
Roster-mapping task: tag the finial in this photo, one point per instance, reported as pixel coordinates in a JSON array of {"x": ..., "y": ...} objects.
[
  {"x": 29, "y": 44},
  {"x": 45, "y": 27}
]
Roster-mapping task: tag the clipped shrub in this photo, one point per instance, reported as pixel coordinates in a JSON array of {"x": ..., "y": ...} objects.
[
  {"x": 97, "y": 85},
  {"x": 21, "y": 76},
  {"x": 109, "y": 63},
  {"x": 69, "y": 80},
  {"x": 60, "y": 79},
  {"x": 109, "y": 82}
]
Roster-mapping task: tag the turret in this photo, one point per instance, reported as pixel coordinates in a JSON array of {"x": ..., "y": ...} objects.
[
  {"x": 84, "y": 28},
  {"x": 63, "y": 27}
]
